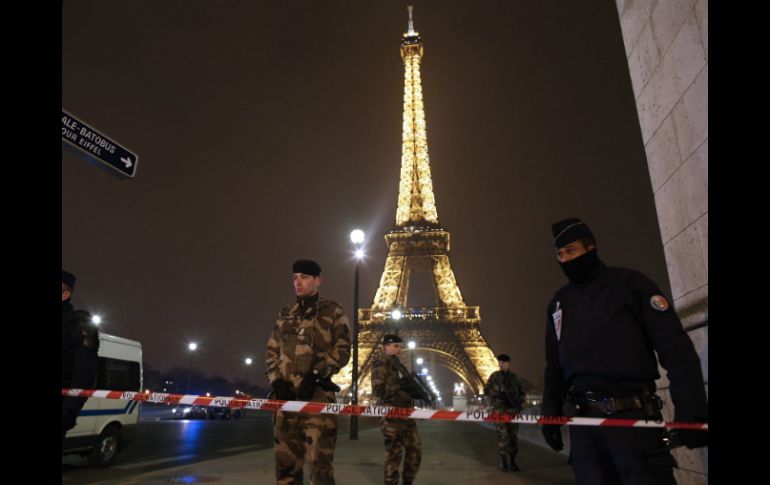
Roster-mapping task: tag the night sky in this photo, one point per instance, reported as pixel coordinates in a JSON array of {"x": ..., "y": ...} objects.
[{"x": 267, "y": 131}]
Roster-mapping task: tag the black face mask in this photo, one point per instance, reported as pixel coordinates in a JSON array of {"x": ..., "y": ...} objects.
[{"x": 579, "y": 269}]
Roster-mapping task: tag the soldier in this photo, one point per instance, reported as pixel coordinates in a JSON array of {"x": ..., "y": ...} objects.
[
  {"x": 506, "y": 395},
  {"x": 310, "y": 343},
  {"x": 603, "y": 330},
  {"x": 79, "y": 347},
  {"x": 391, "y": 387}
]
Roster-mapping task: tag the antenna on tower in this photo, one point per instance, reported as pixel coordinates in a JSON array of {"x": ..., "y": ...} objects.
[{"x": 411, "y": 22}]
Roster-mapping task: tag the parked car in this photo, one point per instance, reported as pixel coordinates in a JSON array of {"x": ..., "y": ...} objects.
[
  {"x": 224, "y": 413},
  {"x": 186, "y": 411}
]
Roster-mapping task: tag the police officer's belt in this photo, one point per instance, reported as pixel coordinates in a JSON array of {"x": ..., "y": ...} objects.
[{"x": 608, "y": 404}]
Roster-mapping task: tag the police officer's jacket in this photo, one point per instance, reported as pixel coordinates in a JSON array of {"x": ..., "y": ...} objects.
[
  {"x": 602, "y": 334},
  {"x": 79, "y": 359}
]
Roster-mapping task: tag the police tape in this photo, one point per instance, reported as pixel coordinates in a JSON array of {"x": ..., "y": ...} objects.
[{"x": 473, "y": 415}]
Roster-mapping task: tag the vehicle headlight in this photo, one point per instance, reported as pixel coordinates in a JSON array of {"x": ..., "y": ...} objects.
[{"x": 186, "y": 410}]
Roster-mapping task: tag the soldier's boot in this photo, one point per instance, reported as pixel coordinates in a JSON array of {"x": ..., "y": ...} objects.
[
  {"x": 512, "y": 466},
  {"x": 503, "y": 463}
]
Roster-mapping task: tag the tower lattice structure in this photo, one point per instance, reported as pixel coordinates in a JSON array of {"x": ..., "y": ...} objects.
[{"x": 449, "y": 332}]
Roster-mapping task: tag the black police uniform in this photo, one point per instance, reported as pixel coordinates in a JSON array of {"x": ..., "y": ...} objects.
[
  {"x": 600, "y": 338},
  {"x": 79, "y": 360}
]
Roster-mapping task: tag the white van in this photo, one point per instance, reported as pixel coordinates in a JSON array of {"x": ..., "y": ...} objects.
[{"x": 105, "y": 425}]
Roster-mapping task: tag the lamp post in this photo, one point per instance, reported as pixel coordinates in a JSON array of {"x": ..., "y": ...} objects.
[
  {"x": 357, "y": 238},
  {"x": 191, "y": 347},
  {"x": 248, "y": 362}
]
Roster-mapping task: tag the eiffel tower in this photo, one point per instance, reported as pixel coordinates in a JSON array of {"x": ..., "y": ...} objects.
[{"x": 447, "y": 333}]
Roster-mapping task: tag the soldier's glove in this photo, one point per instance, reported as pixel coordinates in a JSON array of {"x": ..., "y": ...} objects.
[
  {"x": 307, "y": 386},
  {"x": 552, "y": 435},
  {"x": 328, "y": 385},
  {"x": 689, "y": 437},
  {"x": 282, "y": 389}
]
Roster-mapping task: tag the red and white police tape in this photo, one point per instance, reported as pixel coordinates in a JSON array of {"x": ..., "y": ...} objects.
[{"x": 374, "y": 411}]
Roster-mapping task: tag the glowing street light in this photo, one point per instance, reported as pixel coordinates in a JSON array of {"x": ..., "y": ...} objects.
[
  {"x": 248, "y": 362},
  {"x": 192, "y": 346},
  {"x": 357, "y": 236}
]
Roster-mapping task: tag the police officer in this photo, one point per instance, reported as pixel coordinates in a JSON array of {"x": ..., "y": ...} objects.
[
  {"x": 391, "y": 387},
  {"x": 506, "y": 395},
  {"x": 309, "y": 343},
  {"x": 79, "y": 347},
  {"x": 603, "y": 330}
]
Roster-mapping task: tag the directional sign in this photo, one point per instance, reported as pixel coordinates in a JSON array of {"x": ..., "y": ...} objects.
[{"x": 97, "y": 146}]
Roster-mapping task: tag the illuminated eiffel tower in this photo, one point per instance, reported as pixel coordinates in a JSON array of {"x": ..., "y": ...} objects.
[{"x": 448, "y": 333}]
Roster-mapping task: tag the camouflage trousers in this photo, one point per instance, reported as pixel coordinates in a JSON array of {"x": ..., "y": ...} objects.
[
  {"x": 507, "y": 443},
  {"x": 400, "y": 435},
  {"x": 300, "y": 437}
]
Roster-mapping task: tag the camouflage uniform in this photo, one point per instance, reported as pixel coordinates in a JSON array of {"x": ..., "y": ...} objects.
[
  {"x": 400, "y": 434},
  {"x": 309, "y": 335},
  {"x": 507, "y": 443}
]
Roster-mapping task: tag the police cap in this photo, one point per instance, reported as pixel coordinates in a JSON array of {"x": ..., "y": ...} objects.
[
  {"x": 68, "y": 279},
  {"x": 569, "y": 230},
  {"x": 306, "y": 266},
  {"x": 391, "y": 339}
]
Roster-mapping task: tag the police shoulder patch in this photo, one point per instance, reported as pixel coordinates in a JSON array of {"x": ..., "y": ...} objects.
[{"x": 659, "y": 303}]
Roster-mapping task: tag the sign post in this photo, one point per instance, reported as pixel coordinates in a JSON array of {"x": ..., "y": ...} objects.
[{"x": 98, "y": 147}]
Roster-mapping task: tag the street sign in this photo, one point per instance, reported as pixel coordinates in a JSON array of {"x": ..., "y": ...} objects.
[{"x": 97, "y": 146}]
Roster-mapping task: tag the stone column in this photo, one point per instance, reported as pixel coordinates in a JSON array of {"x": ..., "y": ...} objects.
[{"x": 666, "y": 44}]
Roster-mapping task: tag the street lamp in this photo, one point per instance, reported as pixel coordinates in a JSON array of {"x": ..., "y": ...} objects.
[
  {"x": 191, "y": 347},
  {"x": 248, "y": 362},
  {"x": 395, "y": 316},
  {"x": 419, "y": 361},
  {"x": 411, "y": 346},
  {"x": 96, "y": 319},
  {"x": 357, "y": 238}
]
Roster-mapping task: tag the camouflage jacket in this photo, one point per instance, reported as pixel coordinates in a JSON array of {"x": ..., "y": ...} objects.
[
  {"x": 316, "y": 337},
  {"x": 500, "y": 382},
  {"x": 386, "y": 383}
]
